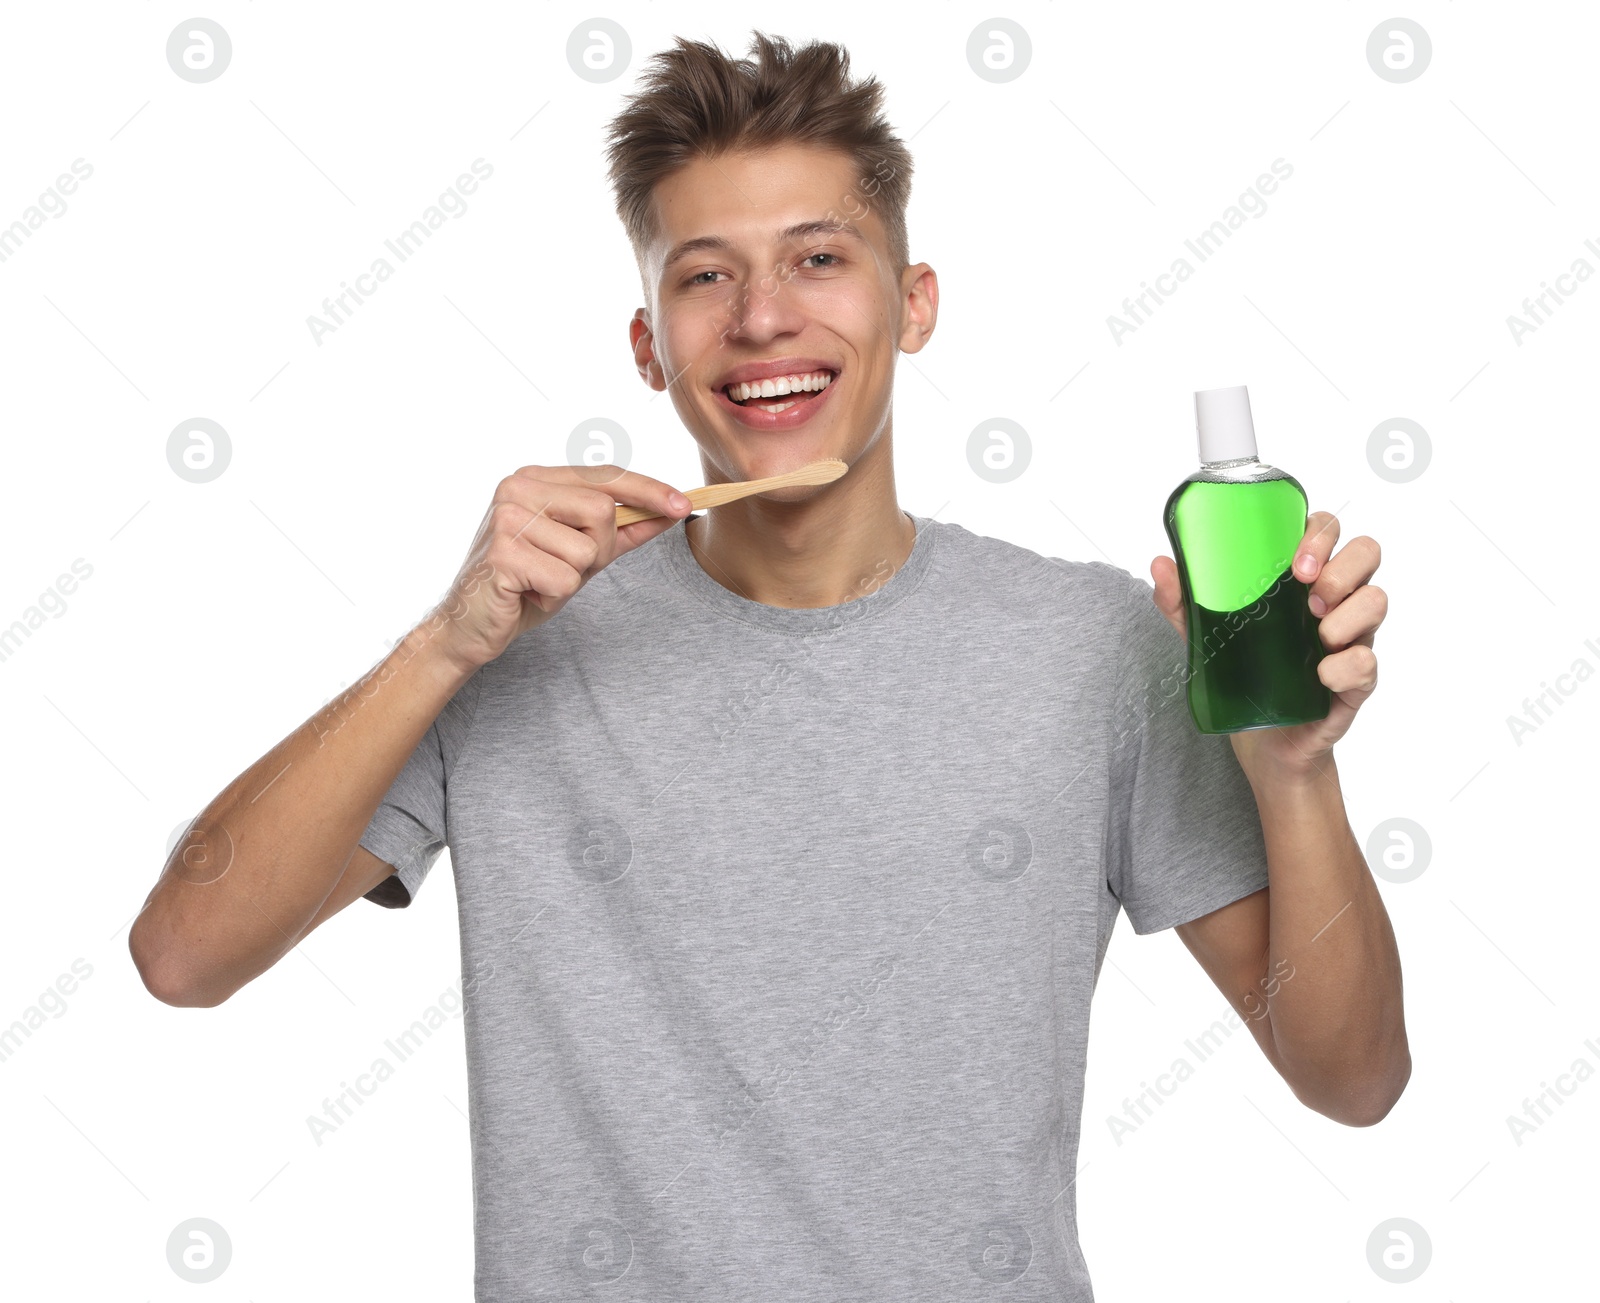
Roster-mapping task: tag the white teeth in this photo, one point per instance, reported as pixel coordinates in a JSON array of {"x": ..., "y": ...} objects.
[{"x": 811, "y": 382}]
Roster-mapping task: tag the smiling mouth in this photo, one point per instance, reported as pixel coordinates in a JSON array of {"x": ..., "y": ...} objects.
[{"x": 780, "y": 393}]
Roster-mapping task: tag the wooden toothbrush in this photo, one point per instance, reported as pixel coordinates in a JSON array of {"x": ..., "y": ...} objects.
[{"x": 714, "y": 495}]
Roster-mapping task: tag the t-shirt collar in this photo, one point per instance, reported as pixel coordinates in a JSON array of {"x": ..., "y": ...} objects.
[{"x": 879, "y": 595}]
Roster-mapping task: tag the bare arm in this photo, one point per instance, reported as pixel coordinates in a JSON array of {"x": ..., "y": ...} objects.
[
  {"x": 275, "y": 853},
  {"x": 267, "y": 854},
  {"x": 1311, "y": 963},
  {"x": 1339, "y": 1021}
]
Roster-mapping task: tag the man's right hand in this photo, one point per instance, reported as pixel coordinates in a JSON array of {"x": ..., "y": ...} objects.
[{"x": 548, "y": 531}]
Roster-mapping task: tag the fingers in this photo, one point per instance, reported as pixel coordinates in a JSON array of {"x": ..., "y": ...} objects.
[
  {"x": 642, "y": 531},
  {"x": 1316, "y": 546},
  {"x": 1348, "y": 608},
  {"x": 531, "y": 553},
  {"x": 576, "y": 544},
  {"x": 1168, "y": 596},
  {"x": 548, "y": 531},
  {"x": 1352, "y": 672},
  {"x": 1344, "y": 574},
  {"x": 586, "y": 497},
  {"x": 1355, "y": 619},
  {"x": 579, "y": 506},
  {"x": 627, "y": 487}
]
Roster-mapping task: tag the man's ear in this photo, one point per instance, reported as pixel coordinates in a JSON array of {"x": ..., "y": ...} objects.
[
  {"x": 919, "y": 289},
  {"x": 642, "y": 338}
]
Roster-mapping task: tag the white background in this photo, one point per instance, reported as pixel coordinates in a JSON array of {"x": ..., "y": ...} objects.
[{"x": 219, "y": 616}]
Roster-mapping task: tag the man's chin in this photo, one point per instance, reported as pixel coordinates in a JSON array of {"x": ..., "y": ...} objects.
[{"x": 763, "y": 456}]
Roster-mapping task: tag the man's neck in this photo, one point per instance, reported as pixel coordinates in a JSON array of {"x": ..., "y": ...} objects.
[{"x": 836, "y": 548}]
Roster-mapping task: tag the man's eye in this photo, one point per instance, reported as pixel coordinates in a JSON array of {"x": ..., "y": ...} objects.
[
  {"x": 695, "y": 279},
  {"x": 810, "y": 256}
]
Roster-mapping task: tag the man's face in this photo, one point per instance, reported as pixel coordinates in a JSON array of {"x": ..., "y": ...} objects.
[{"x": 747, "y": 281}]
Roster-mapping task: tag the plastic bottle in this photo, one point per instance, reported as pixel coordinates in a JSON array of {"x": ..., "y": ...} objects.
[{"x": 1235, "y": 525}]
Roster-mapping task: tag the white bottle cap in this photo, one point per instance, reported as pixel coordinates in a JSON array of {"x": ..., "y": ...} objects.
[{"x": 1222, "y": 418}]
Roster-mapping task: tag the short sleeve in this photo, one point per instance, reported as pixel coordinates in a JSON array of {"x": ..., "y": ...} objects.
[
  {"x": 411, "y": 825},
  {"x": 1185, "y": 834}
]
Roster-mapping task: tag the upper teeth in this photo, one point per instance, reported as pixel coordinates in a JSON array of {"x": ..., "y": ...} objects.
[{"x": 807, "y": 383}]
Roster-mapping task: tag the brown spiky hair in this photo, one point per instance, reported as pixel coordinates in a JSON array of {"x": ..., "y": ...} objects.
[{"x": 695, "y": 101}]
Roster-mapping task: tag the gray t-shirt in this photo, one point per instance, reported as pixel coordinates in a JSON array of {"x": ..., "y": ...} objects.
[{"x": 779, "y": 927}]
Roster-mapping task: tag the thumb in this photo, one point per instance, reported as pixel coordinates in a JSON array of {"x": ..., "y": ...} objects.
[
  {"x": 642, "y": 531},
  {"x": 1169, "y": 594}
]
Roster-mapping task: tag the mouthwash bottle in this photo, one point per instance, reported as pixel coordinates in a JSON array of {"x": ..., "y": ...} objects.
[{"x": 1235, "y": 525}]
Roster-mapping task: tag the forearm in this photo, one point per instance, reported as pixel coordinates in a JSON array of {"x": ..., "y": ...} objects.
[
  {"x": 1333, "y": 970},
  {"x": 264, "y": 855}
]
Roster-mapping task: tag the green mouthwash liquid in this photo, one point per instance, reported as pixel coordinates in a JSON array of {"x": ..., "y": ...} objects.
[{"x": 1235, "y": 525}]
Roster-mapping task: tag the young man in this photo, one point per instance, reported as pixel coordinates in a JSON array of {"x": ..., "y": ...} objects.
[{"x": 788, "y": 842}]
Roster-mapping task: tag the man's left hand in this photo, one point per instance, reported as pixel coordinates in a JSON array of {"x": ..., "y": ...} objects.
[{"x": 1349, "y": 610}]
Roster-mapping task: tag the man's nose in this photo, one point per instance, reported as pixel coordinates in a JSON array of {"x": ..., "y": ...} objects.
[{"x": 765, "y": 308}]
